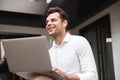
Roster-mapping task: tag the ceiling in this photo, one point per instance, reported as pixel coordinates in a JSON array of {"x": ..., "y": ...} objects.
[{"x": 78, "y": 11}]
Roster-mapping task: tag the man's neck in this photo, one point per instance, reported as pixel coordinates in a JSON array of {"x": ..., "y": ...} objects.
[{"x": 59, "y": 39}]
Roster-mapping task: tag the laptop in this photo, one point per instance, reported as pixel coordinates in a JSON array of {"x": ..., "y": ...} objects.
[{"x": 29, "y": 57}]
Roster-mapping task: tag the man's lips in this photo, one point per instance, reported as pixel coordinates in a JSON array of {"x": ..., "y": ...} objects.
[{"x": 51, "y": 28}]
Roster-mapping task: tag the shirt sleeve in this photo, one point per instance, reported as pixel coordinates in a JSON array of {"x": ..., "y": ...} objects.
[{"x": 87, "y": 62}]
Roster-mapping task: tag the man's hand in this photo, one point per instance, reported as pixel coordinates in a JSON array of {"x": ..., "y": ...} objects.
[{"x": 67, "y": 76}]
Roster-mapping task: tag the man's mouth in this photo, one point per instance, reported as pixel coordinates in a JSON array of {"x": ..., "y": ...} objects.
[{"x": 51, "y": 28}]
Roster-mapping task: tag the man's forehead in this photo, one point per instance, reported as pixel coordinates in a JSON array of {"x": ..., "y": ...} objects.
[{"x": 54, "y": 15}]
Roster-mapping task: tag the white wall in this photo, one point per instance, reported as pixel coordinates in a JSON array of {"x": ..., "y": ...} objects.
[
  {"x": 114, "y": 12},
  {"x": 6, "y": 29},
  {"x": 115, "y": 27},
  {"x": 21, "y": 29}
]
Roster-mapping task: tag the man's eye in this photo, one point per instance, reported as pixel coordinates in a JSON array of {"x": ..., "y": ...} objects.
[
  {"x": 53, "y": 20},
  {"x": 46, "y": 22}
]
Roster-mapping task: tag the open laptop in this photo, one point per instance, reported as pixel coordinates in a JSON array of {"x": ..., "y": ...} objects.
[{"x": 29, "y": 57}]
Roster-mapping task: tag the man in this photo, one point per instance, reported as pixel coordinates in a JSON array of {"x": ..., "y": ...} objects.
[{"x": 71, "y": 55}]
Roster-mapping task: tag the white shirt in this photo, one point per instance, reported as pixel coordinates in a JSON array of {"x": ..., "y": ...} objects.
[{"x": 74, "y": 56}]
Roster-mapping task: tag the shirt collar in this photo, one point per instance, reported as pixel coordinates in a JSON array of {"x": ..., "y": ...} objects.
[{"x": 65, "y": 40}]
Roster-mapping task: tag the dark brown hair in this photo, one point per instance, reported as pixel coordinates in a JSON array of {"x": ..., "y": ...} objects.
[{"x": 63, "y": 14}]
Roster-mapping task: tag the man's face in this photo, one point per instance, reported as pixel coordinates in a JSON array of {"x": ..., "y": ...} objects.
[{"x": 54, "y": 24}]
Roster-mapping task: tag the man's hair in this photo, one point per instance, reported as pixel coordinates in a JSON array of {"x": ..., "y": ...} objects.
[{"x": 63, "y": 14}]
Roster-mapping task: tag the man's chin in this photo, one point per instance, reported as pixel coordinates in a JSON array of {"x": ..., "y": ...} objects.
[{"x": 50, "y": 34}]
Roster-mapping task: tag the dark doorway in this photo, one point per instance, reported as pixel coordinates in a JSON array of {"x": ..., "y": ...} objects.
[{"x": 99, "y": 35}]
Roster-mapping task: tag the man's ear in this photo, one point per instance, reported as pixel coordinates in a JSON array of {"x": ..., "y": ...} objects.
[{"x": 65, "y": 23}]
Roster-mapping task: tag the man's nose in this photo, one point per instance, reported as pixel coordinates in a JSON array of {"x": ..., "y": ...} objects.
[{"x": 48, "y": 23}]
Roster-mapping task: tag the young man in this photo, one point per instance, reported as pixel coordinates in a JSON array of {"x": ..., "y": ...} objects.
[{"x": 71, "y": 55}]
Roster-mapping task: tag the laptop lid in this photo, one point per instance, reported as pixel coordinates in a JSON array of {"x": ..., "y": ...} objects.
[{"x": 27, "y": 54}]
